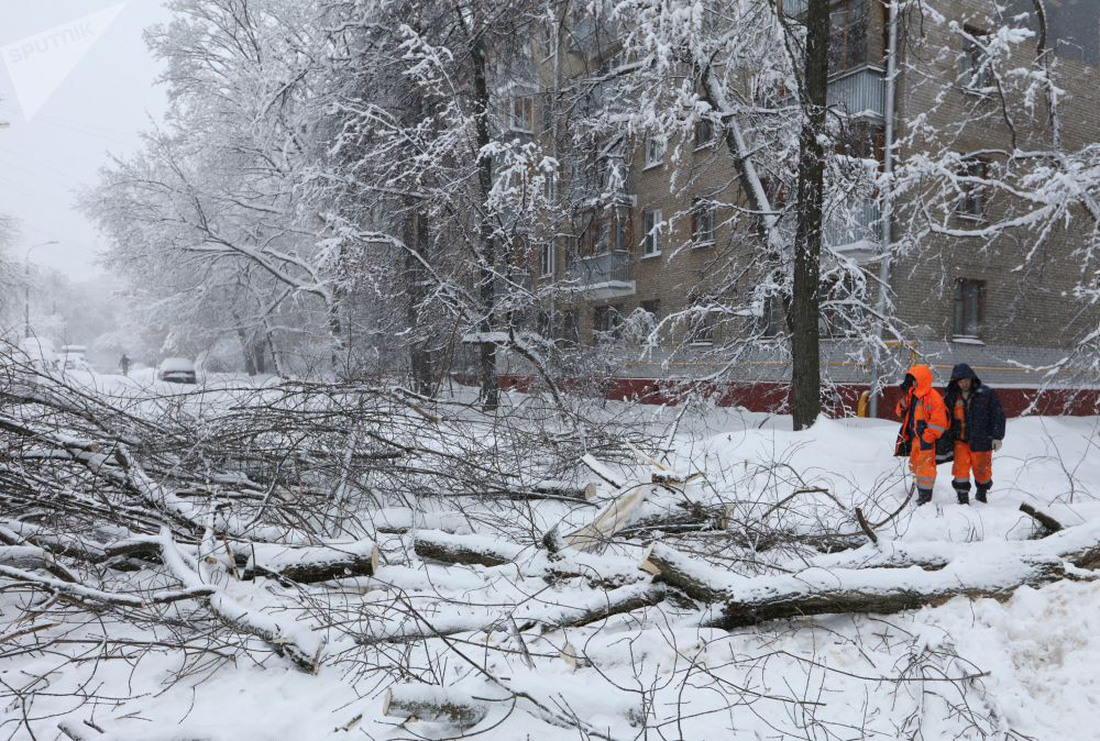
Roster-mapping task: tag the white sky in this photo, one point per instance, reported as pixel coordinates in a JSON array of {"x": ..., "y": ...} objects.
[{"x": 105, "y": 97}]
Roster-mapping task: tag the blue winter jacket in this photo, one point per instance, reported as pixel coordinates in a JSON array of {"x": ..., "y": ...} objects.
[{"x": 985, "y": 418}]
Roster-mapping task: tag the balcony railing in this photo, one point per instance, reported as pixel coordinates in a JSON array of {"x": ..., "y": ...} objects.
[
  {"x": 604, "y": 276},
  {"x": 855, "y": 227},
  {"x": 859, "y": 92}
]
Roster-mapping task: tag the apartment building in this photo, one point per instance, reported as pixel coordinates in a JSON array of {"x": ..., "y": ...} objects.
[{"x": 646, "y": 234}]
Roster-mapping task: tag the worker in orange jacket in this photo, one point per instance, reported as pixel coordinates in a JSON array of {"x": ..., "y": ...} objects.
[{"x": 924, "y": 418}]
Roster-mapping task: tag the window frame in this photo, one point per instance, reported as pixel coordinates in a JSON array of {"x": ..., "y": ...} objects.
[
  {"x": 704, "y": 127},
  {"x": 548, "y": 258},
  {"x": 652, "y": 223},
  {"x": 703, "y": 223},
  {"x": 701, "y": 328},
  {"x": 607, "y": 323},
  {"x": 966, "y": 289},
  {"x": 851, "y": 55},
  {"x": 971, "y": 201},
  {"x": 655, "y": 150},
  {"x": 978, "y": 75},
  {"x": 520, "y": 120}
]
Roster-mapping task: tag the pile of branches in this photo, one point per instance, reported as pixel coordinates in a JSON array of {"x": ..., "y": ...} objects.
[{"x": 372, "y": 531}]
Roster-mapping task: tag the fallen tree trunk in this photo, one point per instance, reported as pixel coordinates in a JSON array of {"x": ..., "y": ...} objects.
[
  {"x": 830, "y": 595},
  {"x": 301, "y": 564},
  {"x": 307, "y": 564},
  {"x": 696, "y": 579},
  {"x": 431, "y": 703},
  {"x": 595, "y": 607},
  {"x": 464, "y": 549},
  {"x": 877, "y": 580},
  {"x": 551, "y": 490}
]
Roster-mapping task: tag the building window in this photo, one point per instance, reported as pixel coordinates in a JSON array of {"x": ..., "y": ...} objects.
[
  {"x": 651, "y": 315},
  {"x": 848, "y": 36},
  {"x": 969, "y": 300},
  {"x": 653, "y": 222},
  {"x": 702, "y": 222},
  {"x": 609, "y": 231},
  {"x": 976, "y": 64},
  {"x": 704, "y": 133},
  {"x": 839, "y": 308},
  {"x": 606, "y": 323},
  {"x": 603, "y": 238},
  {"x": 622, "y": 230},
  {"x": 862, "y": 139},
  {"x": 971, "y": 199},
  {"x": 770, "y": 321},
  {"x": 654, "y": 151},
  {"x": 547, "y": 259},
  {"x": 523, "y": 114},
  {"x": 550, "y": 187},
  {"x": 701, "y": 323},
  {"x": 568, "y": 329}
]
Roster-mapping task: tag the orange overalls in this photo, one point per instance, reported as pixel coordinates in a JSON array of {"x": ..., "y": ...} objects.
[
  {"x": 926, "y": 422},
  {"x": 967, "y": 460}
]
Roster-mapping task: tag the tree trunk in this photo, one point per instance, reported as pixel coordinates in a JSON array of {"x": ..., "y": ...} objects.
[
  {"x": 464, "y": 549},
  {"x": 487, "y": 365},
  {"x": 805, "y": 309},
  {"x": 259, "y": 361},
  {"x": 420, "y": 357}
]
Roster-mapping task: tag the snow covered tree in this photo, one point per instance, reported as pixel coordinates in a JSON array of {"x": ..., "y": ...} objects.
[
  {"x": 736, "y": 73},
  {"x": 1013, "y": 182},
  {"x": 212, "y": 212}
]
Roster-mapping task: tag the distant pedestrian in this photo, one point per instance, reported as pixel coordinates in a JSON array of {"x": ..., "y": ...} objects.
[
  {"x": 924, "y": 420},
  {"x": 124, "y": 364},
  {"x": 978, "y": 424}
]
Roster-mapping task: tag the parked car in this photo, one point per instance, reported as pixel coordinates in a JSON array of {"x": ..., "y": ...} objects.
[
  {"x": 177, "y": 370},
  {"x": 40, "y": 352},
  {"x": 70, "y": 362}
]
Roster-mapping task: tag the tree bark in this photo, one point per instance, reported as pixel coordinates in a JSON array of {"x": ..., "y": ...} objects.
[
  {"x": 805, "y": 306},
  {"x": 884, "y": 601},
  {"x": 431, "y": 703},
  {"x": 464, "y": 549}
]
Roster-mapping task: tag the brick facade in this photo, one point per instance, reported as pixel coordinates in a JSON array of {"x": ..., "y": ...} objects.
[{"x": 1027, "y": 315}]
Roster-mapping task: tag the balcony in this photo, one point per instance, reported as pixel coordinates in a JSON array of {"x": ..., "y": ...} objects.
[
  {"x": 859, "y": 92},
  {"x": 854, "y": 230},
  {"x": 609, "y": 275}
]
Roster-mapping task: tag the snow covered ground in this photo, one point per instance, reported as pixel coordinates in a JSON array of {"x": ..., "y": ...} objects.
[{"x": 1024, "y": 667}]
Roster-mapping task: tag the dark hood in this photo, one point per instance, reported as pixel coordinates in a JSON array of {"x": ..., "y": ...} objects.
[{"x": 960, "y": 371}]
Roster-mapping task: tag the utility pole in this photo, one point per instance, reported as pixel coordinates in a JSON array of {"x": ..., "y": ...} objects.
[{"x": 27, "y": 286}]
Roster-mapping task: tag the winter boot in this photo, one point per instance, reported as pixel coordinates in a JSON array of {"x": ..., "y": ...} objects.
[
  {"x": 924, "y": 496},
  {"x": 983, "y": 491},
  {"x": 962, "y": 490}
]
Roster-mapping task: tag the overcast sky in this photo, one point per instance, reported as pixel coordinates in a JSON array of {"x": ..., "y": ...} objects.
[{"x": 76, "y": 83}]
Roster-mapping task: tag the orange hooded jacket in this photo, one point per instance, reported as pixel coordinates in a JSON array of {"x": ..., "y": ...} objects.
[{"x": 929, "y": 419}]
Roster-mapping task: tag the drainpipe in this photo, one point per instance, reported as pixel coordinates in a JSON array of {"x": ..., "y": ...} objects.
[{"x": 887, "y": 198}]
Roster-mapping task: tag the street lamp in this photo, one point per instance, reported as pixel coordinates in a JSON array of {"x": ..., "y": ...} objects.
[{"x": 27, "y": 286}]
